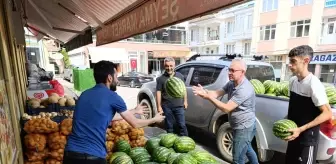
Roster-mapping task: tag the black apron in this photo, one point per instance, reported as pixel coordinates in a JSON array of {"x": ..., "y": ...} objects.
[{"x": 302, "y": 110}]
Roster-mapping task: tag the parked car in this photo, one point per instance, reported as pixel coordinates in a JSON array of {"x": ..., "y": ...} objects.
[
  {"x": 201, "y": 114},
  {"x": 134, "y": 79}
]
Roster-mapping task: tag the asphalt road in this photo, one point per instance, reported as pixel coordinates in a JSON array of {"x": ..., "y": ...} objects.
[{"x": 206, "y": 141}]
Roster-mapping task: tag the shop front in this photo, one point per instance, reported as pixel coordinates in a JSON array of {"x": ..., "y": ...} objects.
[{"x": 324, "y": 66}]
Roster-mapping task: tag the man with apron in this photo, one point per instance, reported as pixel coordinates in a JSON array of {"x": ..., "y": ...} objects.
[{"x": 308, "y": 108}]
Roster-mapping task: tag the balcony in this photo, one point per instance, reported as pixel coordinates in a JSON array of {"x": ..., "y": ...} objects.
[
  {"x": 328, "y": 39},
  {"x": 202, "y": 43},
  {"x": 154, "y": 41},
  {"x": 242, "y": 35},
  {"x": 212, "y": 38}
]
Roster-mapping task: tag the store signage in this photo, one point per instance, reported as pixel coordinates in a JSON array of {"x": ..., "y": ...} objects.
[
  {"x": 330, "y": 3},
  {"x": 323, "y": 58},
  {"x": 133, "y": 64},
  {"x": 155, "y": 14}
]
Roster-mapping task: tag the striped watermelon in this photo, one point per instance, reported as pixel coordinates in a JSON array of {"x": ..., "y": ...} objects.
[
  {"x": 184, "y": 144},
  {"x": 185, "y": 159},
  {"x": 123, "y": 146},
  {"x": 270, "y": 94},
  {"x": 137, "y": 150},
  {"x": 172, "y": 157},
  {"x": 270, "y": 86},
  {"x": 161, "y": 154},
  {"x": 202, "y": 156},
  {"x": 115, "y": 155},
  {"x": 258, "y": 86},
  {"x": 175, "y": 87},
  {"x": 332, "y": 99},
  {"x": 285, "y": 88},
  {"x": 141, "y": 158},
  {"x": 152, "y": 143},
  {"x": 280, "y": 128},
  {"x": 124, "y": 159},
  {"x": 284, "y": 97},
  {"x": 168, "y": 140}
]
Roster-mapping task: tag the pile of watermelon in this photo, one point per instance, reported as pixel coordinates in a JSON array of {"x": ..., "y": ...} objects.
[
  {"x": 271, "y": 88},
  {"x": 281, "y": 127},
  {"x": 165, "y": 148},
  {"x": 331, "y": 93}
]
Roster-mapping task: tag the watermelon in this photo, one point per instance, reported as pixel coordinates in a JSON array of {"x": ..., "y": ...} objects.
[
  {"x": 258, "y": 86},
  {"x": 168, "y": 140},
  {"x": 184, "y": 144},
  {"x": 175, "y": 87},
  {"x": 115, "y": 155},
  {"x": 172, "y": 157},
  {"x": 137, "y": 150},
  {"x": 152, "y": 143},
  {"x": 162, "y": 135},
  {"x": 123, "y": 146},
  {"x": 161, "y": 154},
  {"x": 270, "y": 94},
  {"x": 280, "y": 128},
  {"x": 270, "y": 86},
  {"x": 123, "y": 159},
  {"x": 202, "y": 156},
  {"x": 284, "y": 97},
  {"x": 172, "y": 150},
  {"x": 185, "y": 159},
  {"x": 332, "y": 100},
  {"x": 142, "y": 158},
  {"x": 285, "y": 89}
]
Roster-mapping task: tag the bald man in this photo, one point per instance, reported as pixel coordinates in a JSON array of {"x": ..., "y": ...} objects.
[{"x": 240, "y": 108}]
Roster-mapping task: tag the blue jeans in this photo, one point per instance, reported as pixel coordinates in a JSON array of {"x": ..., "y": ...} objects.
[
  {"x": 242, "y": 139},
  {"x": 172, "y": 115}
]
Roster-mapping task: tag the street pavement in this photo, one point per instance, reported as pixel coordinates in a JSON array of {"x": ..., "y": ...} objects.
[{"x": 130, "y": 97}]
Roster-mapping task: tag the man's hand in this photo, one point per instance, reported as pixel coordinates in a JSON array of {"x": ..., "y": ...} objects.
[
  {"x": 295, "y": 133},
  {"x": 139, "y": 109},
  {"x": 185, "y": 104},
  {"x": 199, "y": 91},
  {"x": 159, "y": 118},
  {"x": 160, "y": 109}
]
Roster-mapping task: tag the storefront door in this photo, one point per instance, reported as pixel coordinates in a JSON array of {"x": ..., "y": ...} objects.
[{"x": 328, "y": 73}]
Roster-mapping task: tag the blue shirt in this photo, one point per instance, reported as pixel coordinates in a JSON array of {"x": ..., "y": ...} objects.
[{"x": 94, "y": 111}]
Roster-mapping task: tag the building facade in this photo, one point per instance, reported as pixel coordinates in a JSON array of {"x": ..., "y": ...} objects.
[
  {"x": 228, "y": 31},
  {"x": 279, "y": 27}
]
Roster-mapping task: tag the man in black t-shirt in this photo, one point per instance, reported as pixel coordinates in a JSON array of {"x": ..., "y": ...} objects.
[
  {"x": 173, "y": 108},
  {"x": 308, "y": 108}
]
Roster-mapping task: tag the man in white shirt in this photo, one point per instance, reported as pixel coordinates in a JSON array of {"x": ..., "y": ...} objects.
[{"x": 308, "y": 108}]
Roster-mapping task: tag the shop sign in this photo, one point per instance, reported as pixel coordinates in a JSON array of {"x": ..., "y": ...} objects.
[
  {"x": 155, "y": 14},
  {"x": 133, "y": 64},
  {"x": 330, "y": 3},
  {"x": 323, "y": 58}
]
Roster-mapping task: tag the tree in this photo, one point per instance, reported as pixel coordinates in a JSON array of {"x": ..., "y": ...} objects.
[{"x": 66, "y": 59}]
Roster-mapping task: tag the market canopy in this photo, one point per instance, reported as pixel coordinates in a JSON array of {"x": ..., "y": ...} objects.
[{"x": 114, "y": 20}]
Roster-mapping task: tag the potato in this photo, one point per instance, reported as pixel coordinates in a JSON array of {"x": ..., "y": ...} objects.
[
  {"x": 120, "y": 127},
  {"x": 53, "y": 99},
  {"x": 54, "y": 94},
  {"x": 62, "y": 101},
  {"x": 109, "y": 145},
  {"x": 56, "y": 141},
  {"x": 122, "y": 137},
  {"x": 108, "y": 155},
  {"x": 66, "y": 126},
  {"x": 41, "y": 106},
  {"x": 45, "y": 102},
  {"x": 53, "y": 161},
  {"x": 136, "y": 133},
  {"x": 36, "y": 142},
  {"x": 41, "y": 125},
  {"x": 139, "y": 142},
  {"x": 35, "y": 162},
  {"x": 57, "y": 154},
  {"x": 67, "y": 97},
  {"x": 70, "y": 102},
  {"x": 34, "y": 155},
  {"x": 110, "y": 136}
]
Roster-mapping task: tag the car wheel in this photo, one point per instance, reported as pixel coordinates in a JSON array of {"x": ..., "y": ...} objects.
[
  {"x": 224, "y": 142},
  {"x": 148, "y": 113},
  {"x": 132, "y": 84}
]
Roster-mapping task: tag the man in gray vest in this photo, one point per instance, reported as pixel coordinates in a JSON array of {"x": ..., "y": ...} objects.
[{"x": 240, "y": 108}]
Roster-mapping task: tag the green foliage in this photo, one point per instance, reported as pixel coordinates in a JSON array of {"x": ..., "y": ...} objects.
[{"x": 66, "y": 59}]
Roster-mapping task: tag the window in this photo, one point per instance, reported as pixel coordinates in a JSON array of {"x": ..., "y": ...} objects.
[
  {"x": 230, "y": 48},
  {"x": 302, "y": 2},
  {"x": 192, "y": 35},
  {"x": 207, "y": 50},
  {"x": 260, "y": 72},
  {"x": 300, "y": 28},
  {"x": 213, "y": 33},
  {"x": 204, "y": 75},
  {"x": 330, "y": 28},
  {"x": 267, "y": 32},
  {"x": 249, "y": 22},
  {"x": 270, "y": 5},
  {"x": 247, "y": 48},
  {"x": 230, "y": 27},
  {"x": 184, "y": 71}
]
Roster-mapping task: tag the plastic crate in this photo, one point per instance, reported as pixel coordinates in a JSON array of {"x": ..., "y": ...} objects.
[{"x": 36, "y": 111}]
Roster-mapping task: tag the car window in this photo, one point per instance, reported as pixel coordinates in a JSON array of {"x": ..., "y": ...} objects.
[
  {"x": 204, "y": 75},
  {"x": 260, "y": 72},
  {"x": 184, "y": 71}
]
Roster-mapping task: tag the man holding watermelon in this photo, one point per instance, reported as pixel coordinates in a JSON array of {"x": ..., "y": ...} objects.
[
  {"x": 240, "y": 108},
  {"x": 94, "y": 111},
  {"x": 172, "y": 107},
  {"x": 308, "y": 108}
]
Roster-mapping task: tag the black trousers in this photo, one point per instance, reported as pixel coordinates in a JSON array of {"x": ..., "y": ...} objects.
[
  {"x": 301, "y": 153},
  {"x": 80, "y": 158}
]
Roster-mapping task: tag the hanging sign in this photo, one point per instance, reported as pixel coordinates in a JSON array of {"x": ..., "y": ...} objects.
[{"x": 324, "y": 58}]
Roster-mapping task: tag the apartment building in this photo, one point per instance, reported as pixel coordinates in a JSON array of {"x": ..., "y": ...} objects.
[
  {"x": 280, "y": 25},
  {"x": 228, "y": 31}
]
